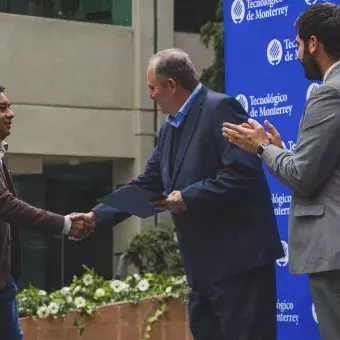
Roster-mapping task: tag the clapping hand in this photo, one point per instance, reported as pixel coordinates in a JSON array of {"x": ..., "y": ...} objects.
[
  {"x": 273, "y": 135},
  {"x": 250, "y": 136}
]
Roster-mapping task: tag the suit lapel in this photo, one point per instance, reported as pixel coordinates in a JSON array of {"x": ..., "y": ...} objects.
[
  {"x": 189, "y": 129},
  {"x": 167, "y": 158},
  {"x": 333, "y": 73},
  {"x": 3, "y": 176},
  {"x": 8, "y": 178}
]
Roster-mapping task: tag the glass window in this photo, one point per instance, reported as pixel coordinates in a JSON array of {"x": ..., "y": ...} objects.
[
  {"x": 114, "y": 12},
  {"x": 49, "y": 262}
]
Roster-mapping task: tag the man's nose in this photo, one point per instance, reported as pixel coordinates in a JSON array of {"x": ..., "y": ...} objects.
[{"x": 10, "y": 113}]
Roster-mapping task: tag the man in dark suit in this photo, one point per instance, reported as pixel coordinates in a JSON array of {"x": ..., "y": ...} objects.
[
  {"x": 14, "y": 215},
  {"x": 220, "y": 204}
]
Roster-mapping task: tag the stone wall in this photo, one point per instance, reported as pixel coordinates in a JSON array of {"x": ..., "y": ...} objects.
[{"x": 118, "y": 321}]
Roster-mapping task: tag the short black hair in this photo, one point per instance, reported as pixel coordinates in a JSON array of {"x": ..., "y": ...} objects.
[
  {"x": 323, "y": 21},
  {"x": 2, "y": 88}
]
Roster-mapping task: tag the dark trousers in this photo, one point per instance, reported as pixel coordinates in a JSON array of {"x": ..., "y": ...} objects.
[
  {"x": 9, "y": 320},
  {"x": 240, "y": 308},
  {"x": 325, "y": 289}
]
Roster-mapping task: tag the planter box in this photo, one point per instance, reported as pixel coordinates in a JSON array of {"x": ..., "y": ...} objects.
[{"x": 118, "y": 321}]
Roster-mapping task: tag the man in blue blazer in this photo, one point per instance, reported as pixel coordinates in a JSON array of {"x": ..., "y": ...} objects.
[{"x": 220, "y": 204}]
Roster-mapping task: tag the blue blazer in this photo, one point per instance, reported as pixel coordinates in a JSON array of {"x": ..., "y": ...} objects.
[{"x": 230, "y": 226}]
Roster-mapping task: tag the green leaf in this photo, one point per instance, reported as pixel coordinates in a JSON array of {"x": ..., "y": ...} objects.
[
  {"x": 81, "y": 330},
  {"x": 213, "y": 33},
  {"x": 152, "y": 319}
]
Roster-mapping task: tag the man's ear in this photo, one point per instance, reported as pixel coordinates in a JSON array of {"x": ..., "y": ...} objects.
[
  {"x": 172, "y": 84},
  {"x": 313, "y": 44}
]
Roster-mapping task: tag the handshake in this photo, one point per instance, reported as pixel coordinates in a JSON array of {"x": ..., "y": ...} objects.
[{"x": 81, "y": 225}]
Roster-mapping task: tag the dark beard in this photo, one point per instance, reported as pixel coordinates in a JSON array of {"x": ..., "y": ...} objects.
[{"x": 311, "y": 67}]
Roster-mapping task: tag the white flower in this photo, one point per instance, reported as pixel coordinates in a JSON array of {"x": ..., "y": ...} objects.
[
  {"x": 137, "y": 277},
  {"x": 99, "y": 292},
  {"x": 168, "y": 290},
  {"x": 69, "y": 299},
  {"x": 65, "y": 290},
  {"x": 43, "y": 312},
  {"x": 178, "y": 281},
  {"x": 76, "y": 290},
  {"x": 42, "y": 293},
  {"x": 143, "y": 285},
  {"x": 118, "y": 286},
  {"x": 53, "y": 308},
  {"x": 79, "y": 302},
  {"x": 89, "y": 310},
  {"x": 87, "y": 279}
]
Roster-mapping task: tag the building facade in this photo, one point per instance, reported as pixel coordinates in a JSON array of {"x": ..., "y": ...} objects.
[{"x": 84, "y": 123}]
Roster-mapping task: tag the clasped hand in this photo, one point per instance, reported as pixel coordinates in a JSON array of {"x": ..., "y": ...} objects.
[
  {"x": 174, "y": 203},
  {"x": 82, "y": 225}
]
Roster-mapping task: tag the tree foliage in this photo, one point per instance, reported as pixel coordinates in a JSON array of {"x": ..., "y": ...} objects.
[
  {"x": 156, "y": 251},
  {"x": 212, "y": 32}
]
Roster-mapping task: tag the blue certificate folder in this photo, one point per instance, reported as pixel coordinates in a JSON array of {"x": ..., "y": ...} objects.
[{"x": 133, "y": 200}]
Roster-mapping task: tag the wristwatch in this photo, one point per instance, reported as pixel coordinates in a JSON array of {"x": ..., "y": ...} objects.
[{"x": 261, "y": 149}]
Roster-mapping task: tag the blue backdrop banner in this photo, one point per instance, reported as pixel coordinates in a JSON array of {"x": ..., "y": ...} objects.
[{"x": 265, "y": 75}]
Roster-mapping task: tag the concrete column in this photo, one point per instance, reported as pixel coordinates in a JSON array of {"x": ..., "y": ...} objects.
[
  {"x": 123, "y": 171},
  {"x": 146, "y": 40},
  {"x": 143, "y": 23},
  {"x": 165, "y": 39},
  {"x": 143, "y": 117},
  {"x": 165, "y": 24}
]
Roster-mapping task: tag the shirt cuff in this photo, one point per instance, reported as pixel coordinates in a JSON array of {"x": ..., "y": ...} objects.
[{"x": 67, "y": 225}]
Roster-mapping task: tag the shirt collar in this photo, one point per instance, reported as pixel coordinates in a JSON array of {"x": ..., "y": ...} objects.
[
  {"x": 178, "y": 119},
  {"x": 3, "y": 146},
  {"x": 330, "y": 69}
]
